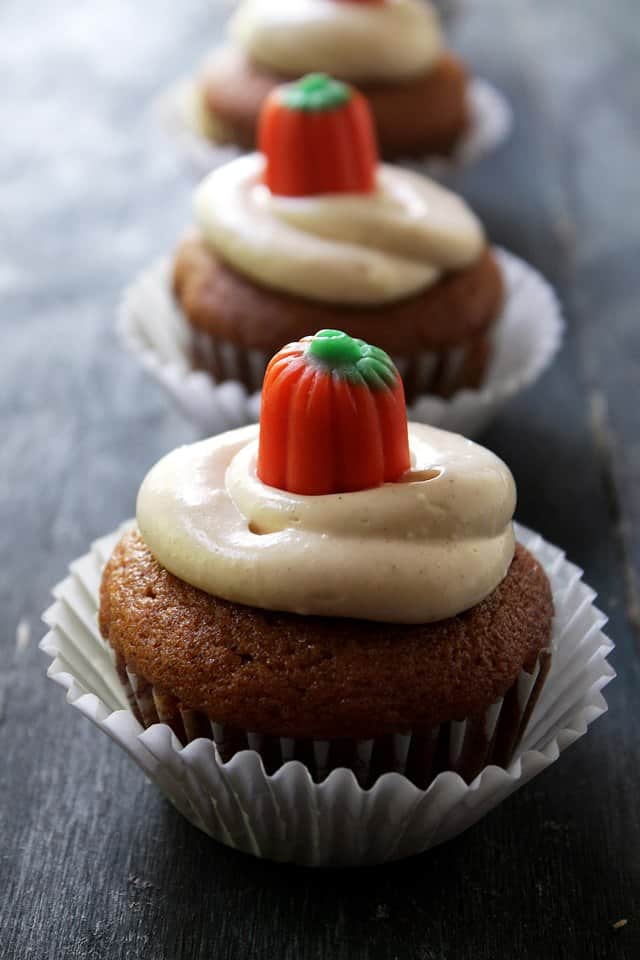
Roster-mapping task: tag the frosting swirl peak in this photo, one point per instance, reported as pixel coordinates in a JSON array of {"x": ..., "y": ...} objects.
[
  {"x": 426, "y": 548},
  {"x": 356, "y": 41},
  {"x": 370, "y": 248}
]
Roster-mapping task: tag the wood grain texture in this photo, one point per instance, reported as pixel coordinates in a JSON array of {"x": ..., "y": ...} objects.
[{"x": 94, "y": 864}]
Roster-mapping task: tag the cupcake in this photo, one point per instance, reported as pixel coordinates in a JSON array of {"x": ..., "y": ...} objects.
[
  {"x": 312, "y": 232},
  {"x": 393, "y": 50},
  {"x": 335, "y": 586}
]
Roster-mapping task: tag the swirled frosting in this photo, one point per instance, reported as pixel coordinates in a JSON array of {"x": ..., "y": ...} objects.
[
  {"x": 416, "y": 551},
  {"x": 369, "y": 248},
  {"x": 354, "y": 41}
]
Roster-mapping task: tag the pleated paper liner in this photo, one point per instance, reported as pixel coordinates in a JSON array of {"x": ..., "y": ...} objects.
[
  {"x": 287, "y": 815},
  {"x": 181, "y": 113},
  {"x": 442, "y": 373},
  {"x": 464, "y": 746},
  {"x": 525, "y": 339}
]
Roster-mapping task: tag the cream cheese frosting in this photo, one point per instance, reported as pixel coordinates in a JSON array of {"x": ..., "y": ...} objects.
[
  {"x": 355, "y": 41},
  {"x": 426, "y": 548},
  {"x": 371, "y": 248}
]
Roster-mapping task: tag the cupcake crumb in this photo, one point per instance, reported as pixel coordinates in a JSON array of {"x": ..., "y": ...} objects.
[
  {"x": 139, "y": 884},
  {"x": 23, "y": 635}
]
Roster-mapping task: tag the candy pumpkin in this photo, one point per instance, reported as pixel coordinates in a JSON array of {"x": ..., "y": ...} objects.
[
  {"x": 317, "y": 136},
  {"x": 333, "y": 417}
]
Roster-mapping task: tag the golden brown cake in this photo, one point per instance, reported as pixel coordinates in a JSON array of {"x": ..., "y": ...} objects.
[{"x": 314, "y": 678}]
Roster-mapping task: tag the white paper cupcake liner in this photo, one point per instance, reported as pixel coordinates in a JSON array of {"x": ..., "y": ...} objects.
[
  {"x": 527, "y": 336},
  {"x": 286, "y": 816},
  {"x": 179, "y": 111},
  {"x": 225, "y": 361}
]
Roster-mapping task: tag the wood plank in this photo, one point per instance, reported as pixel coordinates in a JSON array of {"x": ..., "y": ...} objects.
[{"x": 94, "y": 864}]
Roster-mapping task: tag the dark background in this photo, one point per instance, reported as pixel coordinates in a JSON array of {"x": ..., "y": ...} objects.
[{"x": 94, "y": 863}]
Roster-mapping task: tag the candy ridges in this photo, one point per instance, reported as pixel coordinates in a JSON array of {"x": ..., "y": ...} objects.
[
  {"x": 317, "y": 136},
  {"x": 333, "y": 417}
]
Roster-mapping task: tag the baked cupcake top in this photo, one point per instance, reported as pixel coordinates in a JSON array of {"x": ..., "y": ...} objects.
[
  {"x": 314, "y": 214},
  {"x": 355, "y": 39},
  {"x": 334, "y": 507}
]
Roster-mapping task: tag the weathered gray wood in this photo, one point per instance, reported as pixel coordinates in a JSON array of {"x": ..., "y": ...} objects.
[{"x": 94, "y": 864}]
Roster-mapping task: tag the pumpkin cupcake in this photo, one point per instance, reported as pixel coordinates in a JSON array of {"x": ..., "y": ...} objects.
[
  {"x": 393, "y": 50},
  {"x": 313, "y": 232},
  {"x": 335, "y": 586}
]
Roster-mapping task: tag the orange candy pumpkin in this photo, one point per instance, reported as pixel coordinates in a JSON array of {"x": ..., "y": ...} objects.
[
  {"x": 333, "y": 417},
  {"x": 317, "y": 136}
]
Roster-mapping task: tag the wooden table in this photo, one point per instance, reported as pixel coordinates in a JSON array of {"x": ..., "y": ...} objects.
[{"x": 93, "y": 862}]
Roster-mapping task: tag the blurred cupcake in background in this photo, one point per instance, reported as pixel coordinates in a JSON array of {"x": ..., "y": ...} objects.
[
  {"x": 393, "y": 50},
  {"x": 313, "y": 232}
]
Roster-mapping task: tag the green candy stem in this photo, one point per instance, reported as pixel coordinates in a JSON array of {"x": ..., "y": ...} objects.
[
  {"x": 335, "y": 348},
  {"x": 315, "y": 92},
  {"x": 352, "y": 359}
]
